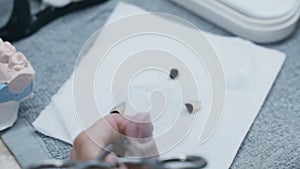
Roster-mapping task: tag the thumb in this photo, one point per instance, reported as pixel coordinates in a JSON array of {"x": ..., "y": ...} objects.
[
  {"x": 139, "y": 136},
  {"x": 139, "y": 126}
]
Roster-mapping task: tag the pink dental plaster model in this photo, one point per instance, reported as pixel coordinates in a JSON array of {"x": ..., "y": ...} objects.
[{"x": 16, "y": 82}]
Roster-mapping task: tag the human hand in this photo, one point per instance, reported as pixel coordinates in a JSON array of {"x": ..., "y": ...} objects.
[{"x": 138, "y": 130}]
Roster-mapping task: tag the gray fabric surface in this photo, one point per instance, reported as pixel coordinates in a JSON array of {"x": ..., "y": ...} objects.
[
  {"x": 272, "y": 142},
  {"x": 26, "y": 143}
]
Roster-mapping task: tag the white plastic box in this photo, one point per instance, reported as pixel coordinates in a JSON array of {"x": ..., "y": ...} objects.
[{"x": 262, "y": 21}]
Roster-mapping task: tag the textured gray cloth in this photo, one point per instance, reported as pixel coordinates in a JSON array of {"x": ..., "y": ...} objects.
[{"x": 272, "y": 142}]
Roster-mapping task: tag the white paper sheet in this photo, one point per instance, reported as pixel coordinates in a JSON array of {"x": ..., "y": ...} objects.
[{"x": 250, "y": 71}]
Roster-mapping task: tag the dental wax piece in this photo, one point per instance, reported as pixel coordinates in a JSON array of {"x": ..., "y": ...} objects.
[
  {"x": 173, "y": 73},
  {"x": 193, "y": 106},
  {"x": 120, "y": 109},
  {"x": 16, "y": 82},
  {"x": 189, "y": 107}
]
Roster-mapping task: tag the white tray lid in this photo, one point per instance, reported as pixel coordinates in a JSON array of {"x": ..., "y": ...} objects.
[
  {"x": 263, "y": 9},
  {"x": 262, "y": 21}
]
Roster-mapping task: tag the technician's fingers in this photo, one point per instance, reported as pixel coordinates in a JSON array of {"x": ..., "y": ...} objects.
[
  {"x": 140, "y": 138},
  {"x": 88, "y": 144},
  {"x": 109, "y": 129},
  {"x": 139, "y": 131}
]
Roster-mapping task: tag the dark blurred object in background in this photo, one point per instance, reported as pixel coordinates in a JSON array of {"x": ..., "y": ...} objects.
[
  {"x": 18, "y": 20},
  {"x": 6, "y": 7}
]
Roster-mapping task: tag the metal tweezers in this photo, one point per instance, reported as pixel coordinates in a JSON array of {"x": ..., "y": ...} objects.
[{"x": 159, "y": 162}]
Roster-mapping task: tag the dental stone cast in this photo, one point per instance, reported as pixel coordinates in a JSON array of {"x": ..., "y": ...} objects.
[{"x": 16, "y": 83}]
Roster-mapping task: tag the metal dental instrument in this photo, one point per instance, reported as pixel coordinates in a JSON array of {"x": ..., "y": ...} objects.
[
  {"x": 180, "y": 161},
  {"x": 167, "y": 162}
]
